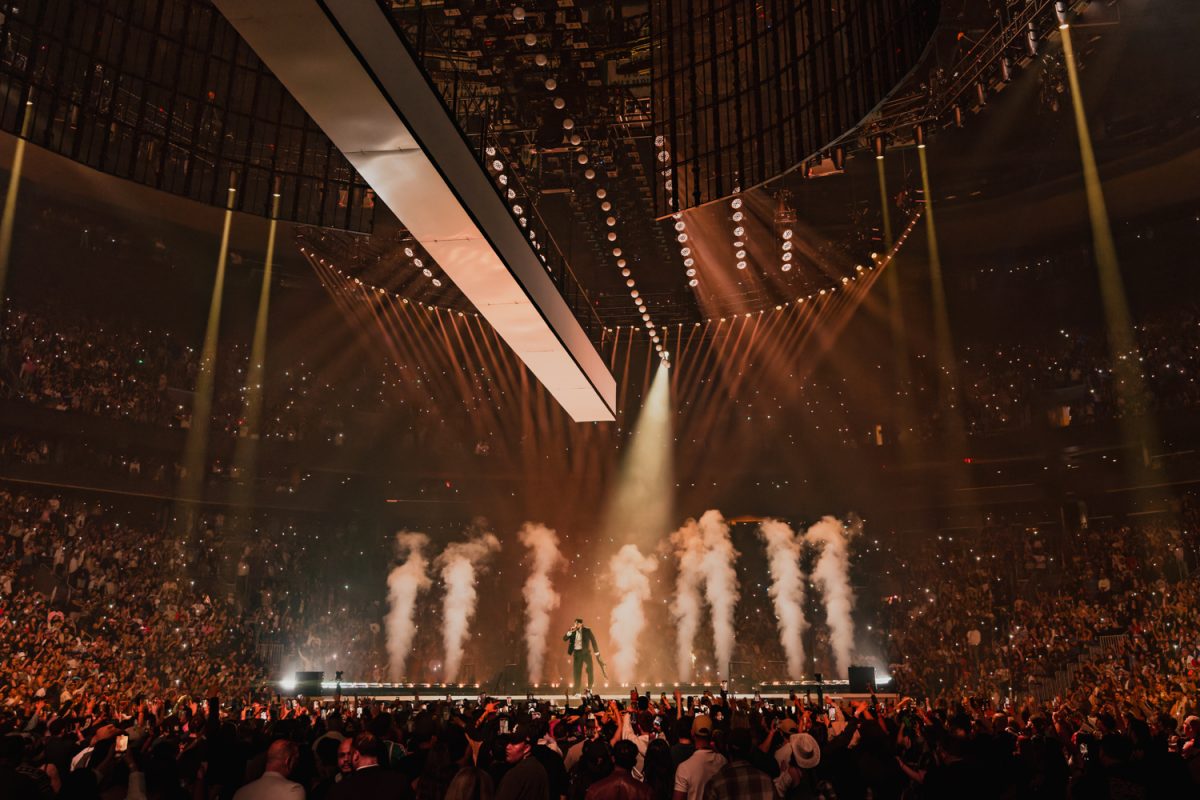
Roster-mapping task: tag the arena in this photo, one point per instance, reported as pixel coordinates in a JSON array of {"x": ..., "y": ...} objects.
[{"x": 599, "y": 399}]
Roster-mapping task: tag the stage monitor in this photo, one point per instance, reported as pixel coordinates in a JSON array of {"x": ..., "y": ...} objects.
[{"x": 862, "y": 680}]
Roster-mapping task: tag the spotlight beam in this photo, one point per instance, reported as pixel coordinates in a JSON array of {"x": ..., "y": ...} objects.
[
  {"x": 245, "y": 451},
  {"x": 8, "y": 221},
  {"x": 640, "y": 509},
  {"x": 195, "y": 448},
  {"x": 1122, "y": 344},
  {"x": 943, "y": 338}
]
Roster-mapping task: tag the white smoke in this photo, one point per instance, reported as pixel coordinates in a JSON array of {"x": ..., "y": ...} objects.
[
  {"x": 459, "y": 563},
  {"x": 831, "y": 573},
  {"x": 687, "y": 605},
  {"x": 630, "y": 574},
  {"x": 787, "y": 591},
  {"x": 540, "y": 597},
  {"x": 720, "y": 584},
  {"x": 406, "y": 580}
]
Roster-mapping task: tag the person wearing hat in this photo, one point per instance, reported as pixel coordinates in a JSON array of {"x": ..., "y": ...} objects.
[
  {"x": 692, "y": 776},
  {"x": 526, "y": 778}
]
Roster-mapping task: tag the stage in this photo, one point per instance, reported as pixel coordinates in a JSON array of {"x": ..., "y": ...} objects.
[{"x": 557, "y": 693}]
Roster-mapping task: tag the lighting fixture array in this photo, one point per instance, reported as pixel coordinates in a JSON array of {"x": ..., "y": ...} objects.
[
  {"x": 738, "y": 216},
  {"x": 508, "y": 189},
  {"x": 610, "y": 222},
  {"x": 860, "y": 271},
  {"x": 681, "y": 235},
  {"x": 372, "y": 289}
]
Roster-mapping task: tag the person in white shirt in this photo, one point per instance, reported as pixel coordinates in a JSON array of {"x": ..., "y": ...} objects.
[
  {"x": 274, "y": 785},
  {"x": 693, "y": 775}
]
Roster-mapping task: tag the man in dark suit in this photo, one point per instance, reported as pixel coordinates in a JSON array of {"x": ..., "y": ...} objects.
[
  {"x": 369, "y": 779},
  {"x": 581, "y": 646}
]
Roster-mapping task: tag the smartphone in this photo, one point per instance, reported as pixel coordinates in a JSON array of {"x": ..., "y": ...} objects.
[
  {"x": 503, "y": 726},
  {"x": 122, "y": 743},
  {"x": 263, "y": 715},
  {"x": 1083, "y": 749}
]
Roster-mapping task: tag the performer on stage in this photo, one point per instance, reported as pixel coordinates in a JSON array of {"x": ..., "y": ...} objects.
[{"x": 581, "y": 646}]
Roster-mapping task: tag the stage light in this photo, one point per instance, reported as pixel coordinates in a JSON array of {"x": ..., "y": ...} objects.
[
  {"x": 568, "y": 123},
  {"x": 919, "y": 136},
  {"x": 418, "y": 262},
  {"x": 981, "y": 93},
  {"x": 629, "y": 283},
  {"x": 625, "y": 273},
  {"x": 679, "y": 226},
  {"x": 687, "y": 262},
  {"x": 551, "y": 84},
  {"x": 741, "y": 265},
  {"x": 736, "y": 203},
  {"x": 582, "y": 158},
  {"x": 503, "y": 180},
  {"x": 590, "y": 174},
  {"x": 787, "y": 256},
  {"x": 620, "y": 262},
  {"x": 738, "y": 216},
  {"x": 490, "y": 150},
  {"x": 958, "y": 118},
  {"x": 1060, "y": 13},
  {"x": 880, "y": 147},
  {"x": 739, "y": 231},
  {"x": 685, "y": 251},
  {"x": 612, "y": 236},
  {"x": 787, "y": 233},
  {"x": 740, "y": 254},
  {"x": 1031, "y": 39},
  {"x": 691, "y": 273},
  {"x": 1005, "y": 69},
  {"x": 408, "y": 251},
  {"x": 787, "y": 246},
  {"x": 683, "y": 237},
  {"x": 786, "y": 267},
  {"x": 606, "y": 206},
  {"x": 497, "y": 165},
  {"x": 610, "y": 221},
  {"x": 517, "y": 209},
  {"x": 601, "y": 194},
  {"x": 616, "y": 251}
]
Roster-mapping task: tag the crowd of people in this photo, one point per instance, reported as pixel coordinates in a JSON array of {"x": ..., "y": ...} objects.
[
  {"x": 1105, "y": 616},
  {"x": 707, "y": 747},
  {"x": 118, "y": 634},
  {"x": 147, "y": 377}
]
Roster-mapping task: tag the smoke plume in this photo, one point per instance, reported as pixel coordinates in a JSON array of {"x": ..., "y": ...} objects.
[
  {"x": 787, "y": 591},
  {"x": 687, "y": 605},
  {"x": 831, "y": 573},
  {"x": 720, "y": 585},
  {"x": 540, "y": 597},
  {"x": 630, "y": 573},
  {"x": 407, "y": 579},
  {"x": 459, "y": 563}
]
